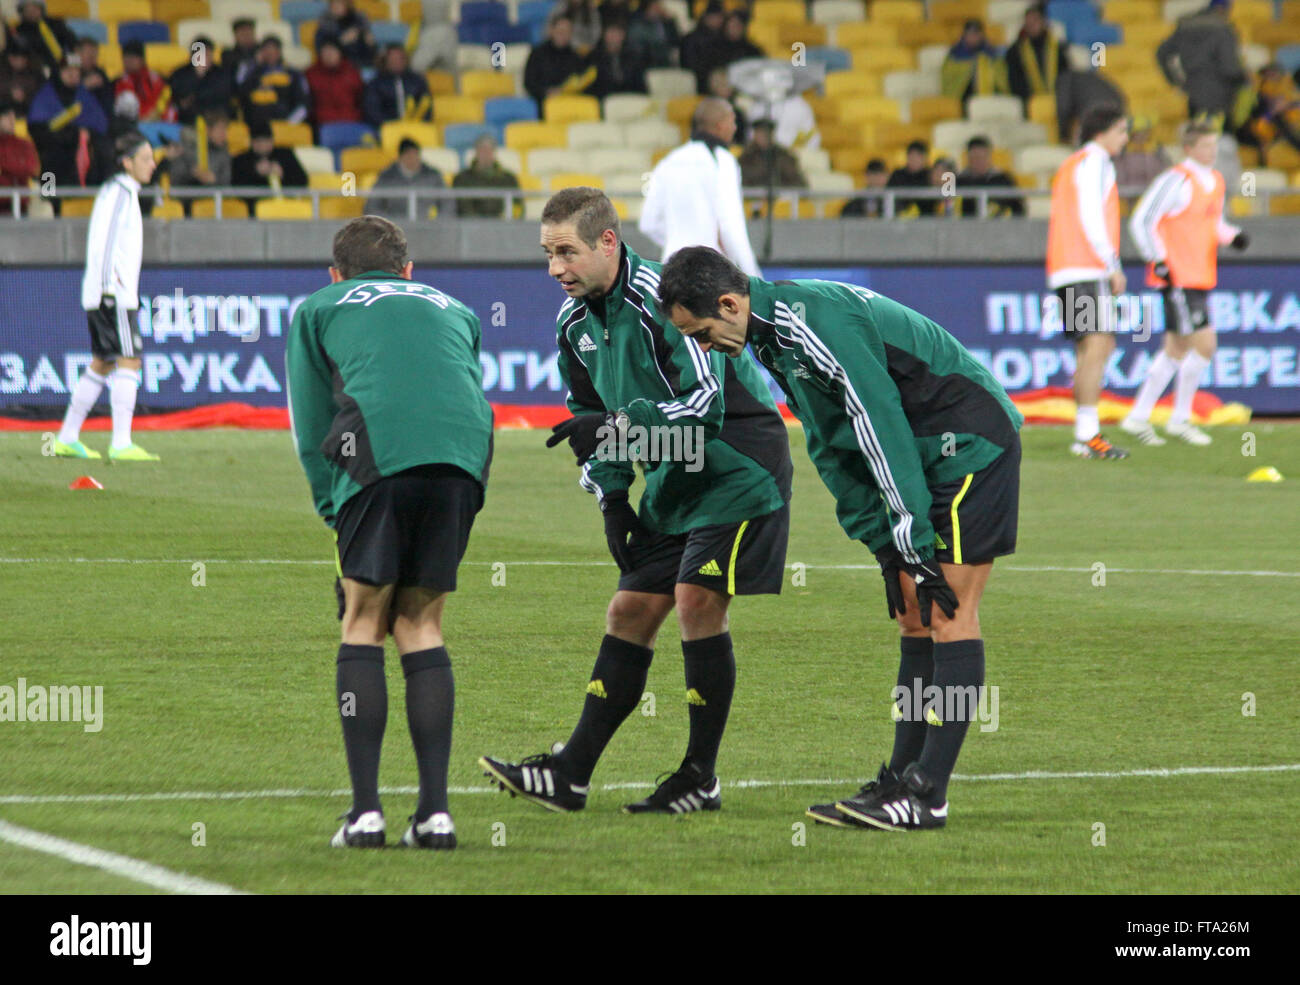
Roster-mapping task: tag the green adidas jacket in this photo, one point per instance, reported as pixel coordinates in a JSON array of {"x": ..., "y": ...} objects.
[
  {"x": 619, "y": 353},
  {"x": 383, "y": 376},
  {"x": 890, "y": 403}
]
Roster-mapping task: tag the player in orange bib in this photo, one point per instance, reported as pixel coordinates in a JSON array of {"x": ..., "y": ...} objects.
[
  {"x": 1083, "y": 265},
  {"x": 1178, "y": 226}
]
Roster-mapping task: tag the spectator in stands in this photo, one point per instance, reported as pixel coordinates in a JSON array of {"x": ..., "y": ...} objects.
[
  {"x": 18, "y": 162},
  {"x": 93, "y": 77},
  {"x": 19, "y": 77},
  {"x": 406, "y": 173},
  {"x": 618, "y": 67},
  {"x": 864, "y": 206},
  {"x": 349, "y": 29},
  {"x": 653, "y": 33},
  {"x": 335, "y": 85},
  {"x": 1078, "y": 92},
  {"x": 264, "y": 165},
  {"x": 200, "y": 86},
  {"x": 720, "y": 87},
  {"x": 764, "y": 162},
  {"x": 1037, "y": 59},
  {"x": 980, "y": 173},
  {"x": 483, "y": 172},
  {"x": 796, "y": 126},
  {"x": 47, "y": 38},
  {"x": 914, "y": 174},
  {"x": 272, "y": 90},
  {"x": 585, "y": 18},
  {"x": 1275, "y": 114},
  {"x": 1142, "y": 160},
  {"x": 396, "y": 93},
  {"x": 973, "y": 66},
  {"x": 943, "y": 176},
  {"x": 1202, "y": 57},
  {"x": 438, "y": 39},
  {"x": 69, "y": 129},
  {"x": 153, "y": 97},
  {"x": 185, "y": 164},
  {"x": 554, "y": 66},
  {"x": 702, "y": 46},
  {"x": 736, "y": 44},
  {"x": 241, "y": 58}
]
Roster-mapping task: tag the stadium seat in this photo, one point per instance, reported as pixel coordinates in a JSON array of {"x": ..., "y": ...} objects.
[
  {"x": 462, "y": 136},
  {"x": 813, "y": 159},
  {"x": 116, "y": 11},
  {"x": 831, "y": 58},
  {"x": 341, "y": 206},
  {"x": 575, "y": 179},
  {"x": 596, "y": 134},
  {"x": 288, "y": 134},
  {"x": 329, "y": 180},
  {"x": 544, "y": 161},
  {"x": 458, "y": 109},
  {"x": 609, "y": 160},
  {"x": 144, "y": 32},
  {"x": 841, "y": 85},
  {"x": 669, "y": 83},
  {"x": 624, "y": 106},
  {"x": 231, "y": 208},
  {"x": 1042, "y": 109},
  {"x": 1288, "y": 56},
  {"x": 950, "y": 136},
  {"x": 473, "y": 57},
  {"x": 994, "y": 108},
  {"x": 392, "y": 133},
  {"x": 160, "y": 134},
  {"x": 315, "y": 160},
  {"x": 168, "y": 208},
  {"x": 934, "y": 109},
  {"x": 570, "y": 108},
  {"x": 680, "y": 109},
  {"x": 237, "y": 138},
  {"x": 228, "y": 10},
  {"x": 1284, "y": 204},
  {"x": 862, "y": 35},
  {"x": 653, "y": 134},
  {"x": 906, "y": 85},
  {"x": 881, "y": 59},
  {"x": 296, "y": 12},
  {"x": 524, "y": 135},
  {"x": 897, "y": 12},
  {"x": 1041, "y": 159},
  {"x": 444, "y": 159},
  {"x": 487, "y": 85},
  {"x": 829, "y": 12},
  {"x": 509, "y": 109},
  {"x": 1283, "y": 156},
  {"x": 390, "y": 32},
  {"x": 440, "y": 83},
  {"x": 363, "y": 160},
  {"x": 931, "y": 57},
  {"x": 507, "y": 158},
  {"x": 68, "y": 8},
  {"x": 1015, "y": 134},
  {"x": 165, "y": 58},
  {"x": 283, "y": 208},
  {"x": 337, "y": 136},
  {"x": 869, "y": 109},
  {"x": 374, "y": 9},
  {"x": 778, "y": 12},
  {"x": 85, "y": 28}
]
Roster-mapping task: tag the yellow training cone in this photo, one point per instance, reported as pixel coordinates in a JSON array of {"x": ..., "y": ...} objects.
[{"x": 1265, "y": 473}]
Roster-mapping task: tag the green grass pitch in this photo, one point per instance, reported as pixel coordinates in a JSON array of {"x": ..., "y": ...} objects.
[{"x": 226, "y": 687}]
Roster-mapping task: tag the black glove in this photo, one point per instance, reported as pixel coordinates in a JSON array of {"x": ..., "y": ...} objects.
[
  {"x": 1240, "y": 241},
  {"x": 582, "y": 434},
  {"x": 338, "y": 593},
  {"x": 1161, "y": 270},
  {"x": 931, "y": 587},
  {"x": 620, "y": 522},
  {"x": 891, "y": 565}
]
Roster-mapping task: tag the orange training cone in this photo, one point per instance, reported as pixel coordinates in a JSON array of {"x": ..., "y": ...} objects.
[{"x": 85, "y": 482}]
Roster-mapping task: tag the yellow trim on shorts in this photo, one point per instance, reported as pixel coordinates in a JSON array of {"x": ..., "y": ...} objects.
[
  {"x": 338, "y": 561},
  {"x": 731, "y": 567},
  {"x": 956, "y": 525}
]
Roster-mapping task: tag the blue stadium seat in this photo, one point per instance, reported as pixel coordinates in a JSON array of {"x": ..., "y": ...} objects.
[
  {"x": 1288, "y": 56},
  {"x": 337, "y": 136},
  {"x": 88, "y": 29},
  {"x": 461, "y": 136},
  {"x": 389, "y": 32},
  {"x": 298, "y": 11},
  {"x": 1090, "y": 34},
  {"x": 477, "y": 11},
  {"x": 835, "y": 59},
  {"x": 146, "y": 32},
  {"x": 161, "y": 133},
  {"x": 533, "y": 12},
  {"x": 507, "y": 109}
]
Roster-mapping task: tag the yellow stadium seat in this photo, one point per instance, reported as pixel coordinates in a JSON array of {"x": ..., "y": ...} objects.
[
  {"x": 392, "y": 132},
  {"x": 933, "y": 32},
  {"x": 894, "y": 135},
  {"x": 841, "y": 135},
  {"x": 410, "y": 11},
  {"x": 1273, "y": 34},
  {"x": 1251, "y": 12},
  {"x": 852, "y": 160},
  {"x": 112, "y": 11},
  {"x": 897, "y": 12},
  {"x": 808, "y": 35},
  {"x": 882, "y": 60},
  {"x": 841, "y": 84},
  {"x": 457, "y": 109},
  {"x": 1146, "y": 36},
  {"x": 359, "y": 160},
  {"x": 237, "y": 138},
  {"x": 441, "y": 83},
  {"x": 778, "y": 12},
  {"x": 325, "y": 179},
  {"x": 1282, "y": 156},
  {"x": 680, "y": 109},
  {"x": 933, "y": 109},
  {"x": 1131, "y": 11},
  {"x": 767, "y": 36},
  {"x": 861, "y": 34},
  {"x": 486, "y": 85},
  {"x": 307, "y": 34},
  {"x": 288, "y": 134},
  {"x": 231, "y": 208},
  {"x": 171, "y": 11},
  {"x": 168, "y": 208},
  {"x": 1284, "y": 205},
  {"x": 1249, "y": 157},
  {"x": 565, "y": 109},
  {"x": 342, "y": 207},
  {"x": 76, "y": 208},
  {"x": 869, "y": 109},
  {"x": 166, "y": 58},
  {"x": 1042, "y": 109},
  {"x": 68, "y": 8},
  {"x": 110, "y": 60},
  {"x": 957, "y": 11},
  {"x": 524, "y": 135},
  {"x": 283, "y": 208},
  {"x": 575, "y": 179}
]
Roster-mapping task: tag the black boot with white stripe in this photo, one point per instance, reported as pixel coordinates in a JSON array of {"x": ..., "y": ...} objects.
[
  {"x": 908, "y": 809},
  {"x": 684, "y": 792},
  {"x": 538, "y": 779}
]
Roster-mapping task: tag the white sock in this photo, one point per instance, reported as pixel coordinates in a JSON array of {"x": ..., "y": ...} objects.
[
  {"x": 123, "y": 384},
  {"x": 1087, "y": 425},
  {"x": 84, "y": 395},
  {"x": 1189, "y": 380},
  {"x": 1161, "y": 371}
]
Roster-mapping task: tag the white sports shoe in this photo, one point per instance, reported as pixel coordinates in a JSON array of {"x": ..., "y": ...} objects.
[
  {"x": 1142, "y": 430},
  {"x": 436, "y": 832},
  {"x": 367, "y": 831},
  {"x": 1188, "y": 432}
]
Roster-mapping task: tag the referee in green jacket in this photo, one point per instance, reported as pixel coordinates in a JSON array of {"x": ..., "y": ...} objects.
[
  {"x": 714, "y": 516},
  {"x": 393, "y": 431},
  {"x": 920, "y": 447}
]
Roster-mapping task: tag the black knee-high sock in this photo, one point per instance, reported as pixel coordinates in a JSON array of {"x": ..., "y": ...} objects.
[
  {"x": 430, "y": 702},
  {"x": 363, "y": 710},
  {"x": 958, "y": 673},
  {"x": 617, "y": 683},
  {"x": 710, "y": 682},
  {"x": 915, "y": 673}
]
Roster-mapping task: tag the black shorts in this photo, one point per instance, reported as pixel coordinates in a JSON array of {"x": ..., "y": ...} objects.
[
  {"x": 1086, "y": 307},
  {"x": 746, "y": 558},
  {"x": 409, "y": 529},
  {"x": 1187, "y": 309},
  {"x": 975, "y": 518},
  {"x": 113, "y": 332}
]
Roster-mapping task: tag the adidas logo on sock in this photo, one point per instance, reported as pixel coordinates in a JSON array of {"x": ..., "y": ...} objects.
[
  {"x": 711, "y": 569},
  {"x": 693, "y": 697},
  {"x": 585, "y": 344},
  {"x": 597, "y": 688}
]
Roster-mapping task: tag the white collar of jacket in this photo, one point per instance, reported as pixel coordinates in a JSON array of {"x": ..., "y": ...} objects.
[{"x": 130, "y": 183}]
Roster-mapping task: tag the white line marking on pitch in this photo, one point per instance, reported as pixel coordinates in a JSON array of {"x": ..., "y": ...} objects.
[
  {"x": 119, "y": 865},
  {"x": 604, "y": 564},
  {"x": 285, "y": 793}
]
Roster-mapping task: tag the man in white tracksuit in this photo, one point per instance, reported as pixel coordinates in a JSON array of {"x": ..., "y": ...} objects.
[
  {"x": 694, "y": 195},
  {"x": 110, "y": 295}
]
